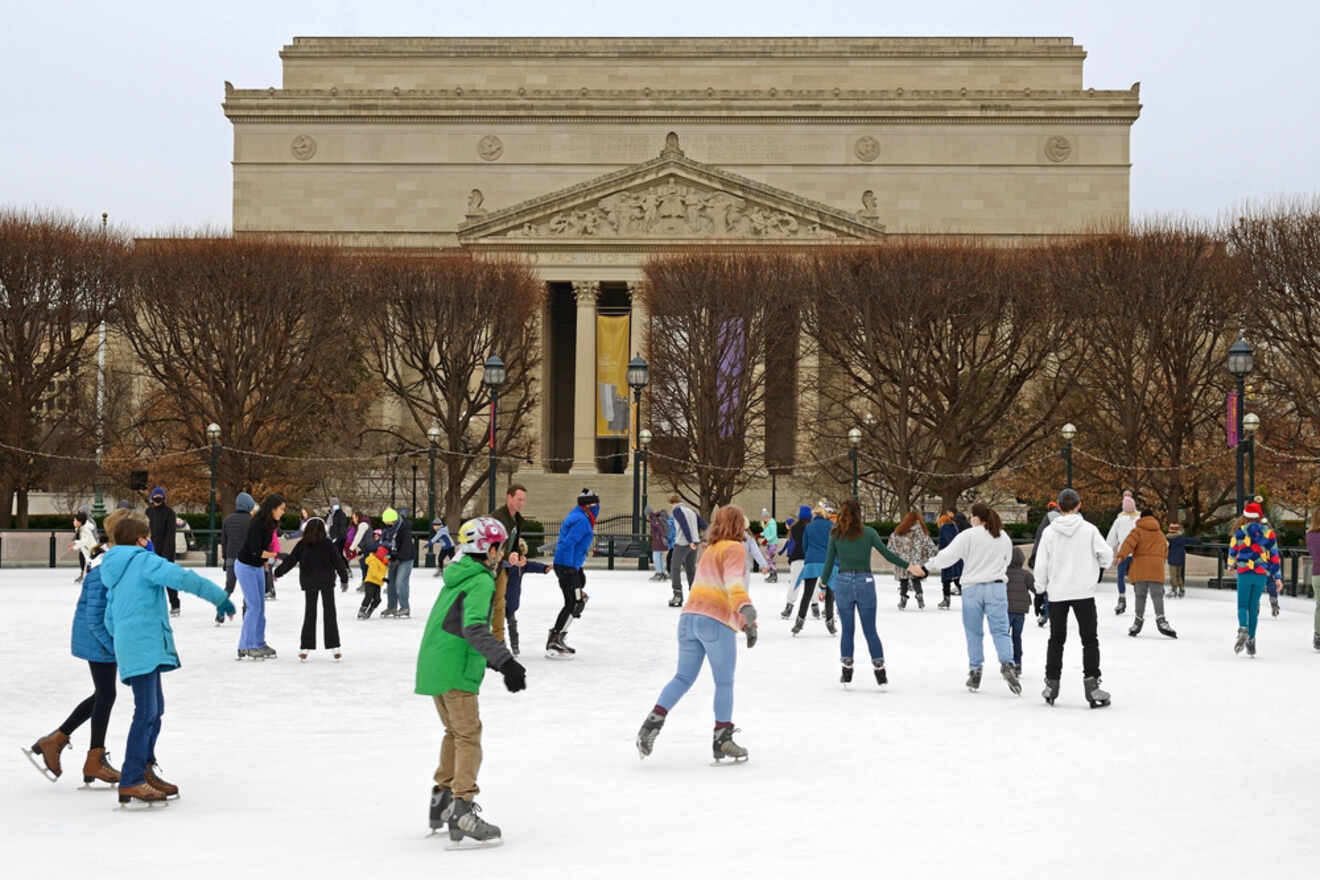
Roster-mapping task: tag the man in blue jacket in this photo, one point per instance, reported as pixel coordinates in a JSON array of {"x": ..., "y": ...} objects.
[{"x": 575, "y": 537}]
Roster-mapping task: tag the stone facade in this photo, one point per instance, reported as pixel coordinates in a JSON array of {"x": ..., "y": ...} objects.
[{"x": 588, "y": 155}]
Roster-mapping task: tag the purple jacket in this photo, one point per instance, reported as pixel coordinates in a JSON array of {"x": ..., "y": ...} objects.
[{"x": 1313, "y": 548}]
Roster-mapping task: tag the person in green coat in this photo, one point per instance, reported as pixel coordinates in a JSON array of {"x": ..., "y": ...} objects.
[{"x": 457, "y": 646}]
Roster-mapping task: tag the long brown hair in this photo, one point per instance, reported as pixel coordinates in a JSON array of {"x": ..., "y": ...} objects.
[
  {"x": 849, "y": 524},
  {"x": 728, "y": 524},
  {"x": 908, "y": 522},
  {"x": 989, "y": 518}
]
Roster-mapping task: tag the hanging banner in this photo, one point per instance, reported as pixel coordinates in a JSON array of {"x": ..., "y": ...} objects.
[
  {"x": 732, "y": 347},
  {"x": 612, "y": 407},
  {"x": 1232, "y": 419}
]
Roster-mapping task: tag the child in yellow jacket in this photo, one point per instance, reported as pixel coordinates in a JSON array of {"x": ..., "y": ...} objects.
[{"x": 378, "y": 564}]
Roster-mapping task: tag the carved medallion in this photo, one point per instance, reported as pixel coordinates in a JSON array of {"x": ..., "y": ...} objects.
[
  {"x": 490, "y": 148},
  {"x": 303, "y": 147},
  {"x": 1058, "y": 148},
  {"x": 867, "y": 148}
]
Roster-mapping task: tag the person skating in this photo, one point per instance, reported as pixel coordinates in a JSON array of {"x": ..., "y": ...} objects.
[
  {"x": 162, "y": 519},
  {"x": 1041, "y": 601},
  {"x": 950, "y": 577},
  {"x": 377, "y": 565},
  {"x": 91, "y": 641},
  {"x": 1254, "y": 553},
  {"x": 233, "y": 533},
  {"x": 576, "y": 535},
  {"x": 1146, "y": 548},
  {"x": 754, "y": 553},
  {"x": 796, "y": 549},
  {"x": 138, "y": 622},
  {"x": 510, "y": 516},
  {"x": 1122, "y": 526},
  {"x": 84, "y": 542},
  {"x": 770, "y": 535},
  {"x": 1178, "y": 544},
  {"x": 1313, "y": 550},
  {"x": 816, "y": 537},
  {"x": 320, "y": 562},
  {"x": 441, "y": 538},
  {"x": 984, "y": 551},
  {"x": 910, "y": 540},
  {"x": 1068, "y": 564},
  {"x": 1021, "y": 586},
  {"x": 717, "y": 609},
  {"x": 403, "y": 554},
  {"x": 847, "y": 571},
  {"x": 336, "y": 524},
  {"x": 456, "y": 648},
  {"x": 513, "y": 595},
  {"x": 658, "y": 525},
  {"x": 688, "y": 528},
  {"x": 250, "y": 567}
]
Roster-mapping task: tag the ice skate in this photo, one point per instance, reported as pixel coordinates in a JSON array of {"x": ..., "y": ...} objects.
[
  {"x": 772, "y": 577},
  {"x": 403, "y": 614},
  {"x": 1165, "y": 630},
  {"x": 1182, "y": 592},
  {"x": 902, "y": 601},
  {"x": 48, "y": 748},
  {"x": 724, "y": 746},
  {"x": 973, "y": 680},
  {"x": 1121, "y": 607},
  {"x": 1315, "y": 642},
  {"x": 649, "y": 731},
  {"x": 1135, "y": 629},
  {"x": 265, "y": 652},
  {"x": 815, "y": 611},
  {"x": 1051, "y": 692},
  {"x": 338, "y": 655},
  {"x": 845, "y": 677},
  {"x": 881, "y": 677},
  {"x": 787, "y": 612},
  {"x": 467, "y": 830},
  {"x": 302, "y": 655},
  {"x": 442, "y": 805},
  {"x": 1241, "y": 641},
  {"x": 921, "y": 601},
  {"x": 1096, "y": 697},
  {"x": 1274, "y": 606},
  {"x": 140, "y": 796},
  {"x": 797, "y": 625},
  {"x": 555, "y": 647},
  {"x": 174, "y": 612},
  {"x": 1251, "y": 647},
  {"x": 676, "y": 601},
  {"x": 169, "y": 789},
  {"x": 388, "y": 612},
  {"x": 98, "y": 769},
  {"x": 1010, "y": 675},
  {"x": 1041, "y": 620},
  {"x": 512, "y": 626},
  {"x": 944, "y": 604},
  {"x": 829, "y": 626}
]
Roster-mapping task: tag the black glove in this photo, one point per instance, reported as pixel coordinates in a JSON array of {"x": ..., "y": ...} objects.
[{"x": 515, "y": 676}]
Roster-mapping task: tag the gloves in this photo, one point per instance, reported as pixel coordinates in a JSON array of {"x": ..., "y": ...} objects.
[
  {"x": 515, "y": 676},
  {"x": 749, "y": 624},
  {"x": 343, "y": 586},
  {"x": 226, "y": 608}
]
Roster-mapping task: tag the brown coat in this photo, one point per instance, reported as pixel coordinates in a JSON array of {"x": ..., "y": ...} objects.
[{"x": 1148, "y": 548}]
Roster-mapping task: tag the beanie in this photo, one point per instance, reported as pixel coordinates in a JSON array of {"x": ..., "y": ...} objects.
[
  {"x": 244, "y": 502},
  {"x": 587, "y": 498},
  {"x": 1252, "y": 511},
  {"x": 158, "y": 492},
  {"x": 389, "y": 516},
  {"x": 804, "y": 512}
]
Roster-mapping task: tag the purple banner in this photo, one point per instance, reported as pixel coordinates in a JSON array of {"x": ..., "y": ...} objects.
[
  {"x": 1232, "y": 419},
  {"x": 733, "y": 345}
]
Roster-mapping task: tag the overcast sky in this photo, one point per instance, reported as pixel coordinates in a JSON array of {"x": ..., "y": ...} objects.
[{"x": 116, "y": 106}]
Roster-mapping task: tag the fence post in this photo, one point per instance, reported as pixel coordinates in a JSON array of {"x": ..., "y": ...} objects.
[
  {"x": 52, "y": 549},
  {"x": 1292, "y": 586},
  {"x": 610, "y": 563},
  {"x": 1219, "y": 558}
]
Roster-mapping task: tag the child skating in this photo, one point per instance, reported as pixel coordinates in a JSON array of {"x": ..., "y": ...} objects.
[{"x": 378, "y": 566}]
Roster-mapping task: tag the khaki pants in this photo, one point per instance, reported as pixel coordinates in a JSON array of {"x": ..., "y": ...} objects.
[
  {"x": 1177, "y": 576},
  {"x": 460, "y": 753},
  {"x": 497, "y": 607}
]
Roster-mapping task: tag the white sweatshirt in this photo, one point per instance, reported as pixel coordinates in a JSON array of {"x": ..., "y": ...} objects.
[
  {"x": 984, "y": 558},
  {"x": 1069, "y": 559},
  {"x": 1123, "y": 525}
]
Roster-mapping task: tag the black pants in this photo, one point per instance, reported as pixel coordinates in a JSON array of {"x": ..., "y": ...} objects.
[
  {"x": 82, "y": 562},
  {"x": 571, "y": 580},
  {"x": 174, "y": 598},
  {"x": 370, "y": 597},
  {"x": 327, "y": 596},
  {"x": 1084, "y": 610},
  {"x": 914, "y": 583},
  {"x": 96, "y": 707},
  {"x": 809, "y": 593}
]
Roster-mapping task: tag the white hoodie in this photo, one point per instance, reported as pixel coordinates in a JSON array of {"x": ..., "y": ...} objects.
[
  {"x": 1069, "y": 559},
  {"x": 1123, "y": 525},
  {"x": 985, "y": 559}
]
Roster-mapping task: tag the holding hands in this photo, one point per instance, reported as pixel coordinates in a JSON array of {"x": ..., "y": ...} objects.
[{"x": 916, "y": 570}]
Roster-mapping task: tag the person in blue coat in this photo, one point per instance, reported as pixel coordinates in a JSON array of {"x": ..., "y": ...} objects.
[
  {"x": 92, "y": 642},
  {"x": 952, "y": 576},
  {"x": 815, "y": 544},
  {"x": 137, "y": 616},
  {"x": 575, "y": 537},
  {"x": 513, "y": 592}
]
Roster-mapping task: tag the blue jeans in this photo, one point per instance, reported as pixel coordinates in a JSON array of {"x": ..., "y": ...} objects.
[
  {"x": 989, "y": 601},
  {"x": 396, "y": 590},
  {"x": 1015, "y": 624},
  {"x": 1249, "y": 590},
  {"x": 1122, "y": 575},
  {"x": 148, "y": 706},
  {"x": 658, "y": 560},
  {"x": 856, "y": 590},
  {"x": 701, "y": 636},
  {"x": 252, "y": 580}
]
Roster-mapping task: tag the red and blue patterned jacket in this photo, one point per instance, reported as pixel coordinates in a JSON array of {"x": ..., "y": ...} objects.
[{"x": 1254, "y": 550}]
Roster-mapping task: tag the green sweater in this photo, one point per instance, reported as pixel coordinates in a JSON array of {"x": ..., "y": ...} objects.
[
  {"x": 854, "y": 554},
  {"x": 458, "y": 645}
]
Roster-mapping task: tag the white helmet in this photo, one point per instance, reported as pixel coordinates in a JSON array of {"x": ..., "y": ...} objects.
[{"x": 480, "y": 534}]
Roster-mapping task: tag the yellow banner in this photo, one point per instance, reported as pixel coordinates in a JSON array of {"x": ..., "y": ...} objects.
[{"x": 612, "y": 407}]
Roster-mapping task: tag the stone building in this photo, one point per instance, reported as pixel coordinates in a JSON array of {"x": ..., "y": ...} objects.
[{"x": 587, "y": 155}]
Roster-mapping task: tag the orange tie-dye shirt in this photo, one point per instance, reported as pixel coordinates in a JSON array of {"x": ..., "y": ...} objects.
[{"x": 720, "y": 588}]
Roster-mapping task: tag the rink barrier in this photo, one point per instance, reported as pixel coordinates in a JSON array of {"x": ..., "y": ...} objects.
[{"x": 1294, "y": 583}]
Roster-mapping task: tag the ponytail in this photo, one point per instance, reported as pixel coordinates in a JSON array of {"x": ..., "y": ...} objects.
[{"x": 989, "y": 518}]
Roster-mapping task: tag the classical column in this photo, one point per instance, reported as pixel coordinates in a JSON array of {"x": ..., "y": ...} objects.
[
  {"x": 547, "y": 389},
  {"x": 584, "y": 379},
  {"x": 638, "y": 323}
]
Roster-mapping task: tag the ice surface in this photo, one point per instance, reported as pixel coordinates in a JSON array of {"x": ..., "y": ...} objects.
[{"x": 1204, "y": 767}]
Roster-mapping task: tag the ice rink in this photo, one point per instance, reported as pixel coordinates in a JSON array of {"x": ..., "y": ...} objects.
[{"x": 1204, "y": 766}]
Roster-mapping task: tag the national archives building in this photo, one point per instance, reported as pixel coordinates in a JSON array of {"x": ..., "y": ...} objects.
[{"x": 586, "y": 156}]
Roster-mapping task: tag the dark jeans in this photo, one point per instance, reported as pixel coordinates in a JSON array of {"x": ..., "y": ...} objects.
[
  {"x": 1084, "y": 611},
  {"x": 684, "y": 559},
  {"x": 96, "y": 707},
  {"x": 174, "y": 598},
  {"x": 1121, "y": 572},
  {"x": 905, "y": 583},
  {"x": 327, "y": 596},
  {"x": 1015, "y": 624},
  {"x": 809, "y": 596},
  {"x": 570, "y": 581},
  {"x": 370, "y": 597},
  {"x": 148, "y": 707}
]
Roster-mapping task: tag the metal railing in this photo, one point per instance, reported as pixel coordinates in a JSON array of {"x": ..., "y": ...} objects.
[{"x": 1290, "y": 558}]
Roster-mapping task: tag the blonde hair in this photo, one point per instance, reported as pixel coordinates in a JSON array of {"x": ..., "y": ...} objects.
[
  {"x": 132, "y": 528},
  {"x": 113, "y": 520},
  {"x": 728, "y": 524}
]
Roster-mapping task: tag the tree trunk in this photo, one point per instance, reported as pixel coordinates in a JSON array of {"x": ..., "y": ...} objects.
[
  {"x": 6, "y": 507},
  {"x": 22, "y": 509}
]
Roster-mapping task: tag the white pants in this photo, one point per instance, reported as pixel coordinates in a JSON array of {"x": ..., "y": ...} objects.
[{"x": 794, "y": 570}]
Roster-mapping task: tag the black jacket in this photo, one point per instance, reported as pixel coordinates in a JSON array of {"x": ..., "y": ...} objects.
[
  {"x": 403, "y": 547},
  {"x": 256, "y": 542},
  {"x": 233, "y": 532},
  {"x": 799, "y": 535},
  {"x": 336, "y": 527},
  {"x": 162, "y": 530},
  {"x": 513, "y": 524},
  {"x": 318, "y": 565}
]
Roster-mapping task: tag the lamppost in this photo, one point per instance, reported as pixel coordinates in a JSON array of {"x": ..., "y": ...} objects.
[
  {"x": 1069, "y": 431},
  {"x": 1241, "y": 360},
  {"x": 493, "y": 375},
  {"x": 1250, "y": 424},
  {"x": 639, "y": 374},
  {"x": 433, "y": 435},
  {"x": 212, "y": 434},
  {"x": 855, "y": 441},
  {"x": 644, "y": 438}
]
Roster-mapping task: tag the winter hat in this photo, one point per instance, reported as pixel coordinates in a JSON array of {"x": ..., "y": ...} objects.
[
  {"x": 437, "y": 521},
  {"x": 1129, "y": 504},
  {"x": 1053, "y": 505},
  {"x": 804, "y": 512},
  {"x": 1018, "y": 559},
  {"x": 587, "y": 498},
  {"x": 389, "y": 516},
  {"x": 1175, "y": 527},
  {"x": 1252, "y": 511},
  {"x": 125, "y": 505},
  {"x": 765, "y": 513},
  {"x": 1069, "y": 499},
  {"x": 158, "y": 492},
  {"x": 244, "y": 502}
]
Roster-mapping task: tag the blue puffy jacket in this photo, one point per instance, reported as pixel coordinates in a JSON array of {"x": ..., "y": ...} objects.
[
  {"x": 91, "y": 640},
  {"x": 574, "y": 539},
  {"x": 137, "y": 614}
]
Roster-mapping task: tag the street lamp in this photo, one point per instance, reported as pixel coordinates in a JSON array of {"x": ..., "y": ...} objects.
[
  {"x": 1069, "y": 431},
  {"x": 639, "y": 374},
  {"x": 212, "y": 434},
  {"x": 1250, "y": 424},
  {"x": 644, "y": 438},
  {"x": 433, "y": 435},
  {"x": 855, "y": 441},
  {"x": 1241, "y": 360},
  {"x": 492, "y": 376}
]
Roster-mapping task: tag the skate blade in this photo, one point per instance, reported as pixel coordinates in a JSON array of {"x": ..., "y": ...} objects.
[
  {"x": 470, "y": 843},
  {"x": 39, "y": 764},
  {"x": 551, "y": 655},
  {"x": 1098, "y": 704},
  {"x": 142, "y": 806},
  {"x": 99, "y": 785},
  {"x": 728, "y": 762}
]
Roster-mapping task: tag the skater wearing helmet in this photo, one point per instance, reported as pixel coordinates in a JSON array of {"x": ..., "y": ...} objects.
[
  {"x": 1068, "y": 564},
  {"x": 456, "y": 648},
  {"x": 1254, "y": 552},
  {"x": 1147, "y": 549},
  {"x": 717, "y": 609},
  {"x": 575, "y": 537}
]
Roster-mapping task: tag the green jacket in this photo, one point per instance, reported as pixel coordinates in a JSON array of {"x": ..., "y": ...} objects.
[{"x": 458, "y": 644}]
